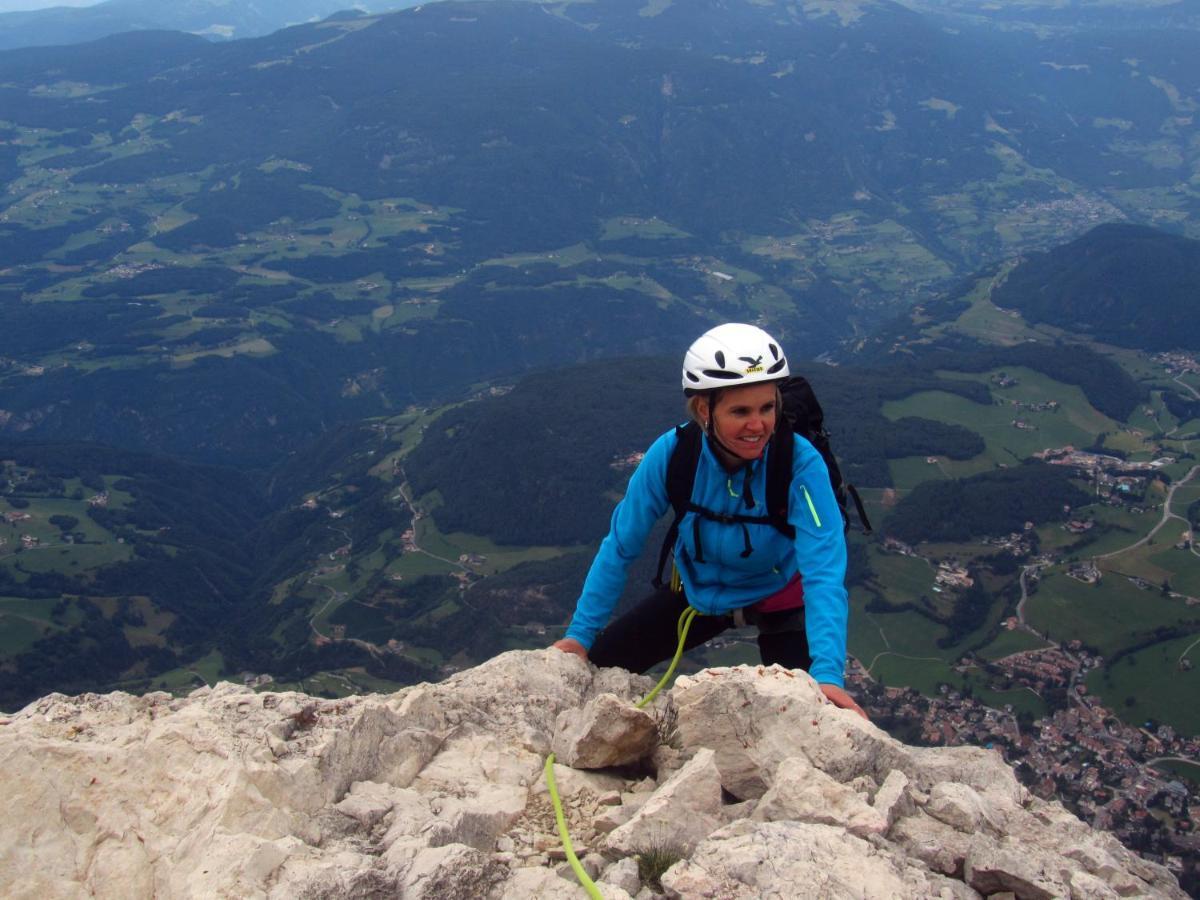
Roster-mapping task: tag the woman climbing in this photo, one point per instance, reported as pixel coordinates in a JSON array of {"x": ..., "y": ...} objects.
[{"x": 734, "y": 562}]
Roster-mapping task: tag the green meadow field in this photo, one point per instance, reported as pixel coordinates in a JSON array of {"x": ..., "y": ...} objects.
[
  {"x": 1108, "y": 616},
  {"x": 1075, "y": 422},
  {"x": 23, "y": 621},
  {"x": 1151, "y": 684}
]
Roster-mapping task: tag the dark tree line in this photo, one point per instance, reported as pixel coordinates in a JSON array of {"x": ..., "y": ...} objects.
[
  {"x": 1182, "y": 408},
  {"x": 991, "y": 503},
  {"x": 970, "y": 612},
  {"x": 1107, "y": 386},
  {"x": 92, "y": 653}
]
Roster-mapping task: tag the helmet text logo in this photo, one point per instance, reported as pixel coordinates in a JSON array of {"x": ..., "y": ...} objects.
[{"x": 755, "y": 363}]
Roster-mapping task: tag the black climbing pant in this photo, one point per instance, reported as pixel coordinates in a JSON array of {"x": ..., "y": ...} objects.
[{"x": 646, "y": 636}]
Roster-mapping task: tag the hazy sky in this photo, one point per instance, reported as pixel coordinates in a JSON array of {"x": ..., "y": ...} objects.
[{"x": 18, "y": 5}]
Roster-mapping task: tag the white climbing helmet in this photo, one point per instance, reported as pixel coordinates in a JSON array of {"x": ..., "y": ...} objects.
[{"x": 730, "y": 355}]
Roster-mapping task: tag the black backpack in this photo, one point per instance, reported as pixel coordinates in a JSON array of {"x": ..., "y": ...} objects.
[{"x": 802, "y": 415}]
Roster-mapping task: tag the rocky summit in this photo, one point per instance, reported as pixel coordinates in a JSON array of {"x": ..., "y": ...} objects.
[{"x": 737, "y": 783}]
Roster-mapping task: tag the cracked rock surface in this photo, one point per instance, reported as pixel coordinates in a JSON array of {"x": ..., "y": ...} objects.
[{"x": 436, "y": 791}]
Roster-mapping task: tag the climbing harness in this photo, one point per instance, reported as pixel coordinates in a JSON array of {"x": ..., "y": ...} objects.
[{"x": 681, "y": 629}]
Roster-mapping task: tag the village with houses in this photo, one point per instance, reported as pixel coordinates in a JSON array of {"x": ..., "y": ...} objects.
[
  {"x": 1101, "y": 767},
  {"x": 1109, "y": 771},
  {"x": 626, "y": 461},
  {"x": 1178, "y": 362}
]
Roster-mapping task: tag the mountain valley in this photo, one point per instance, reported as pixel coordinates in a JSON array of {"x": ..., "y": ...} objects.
[{"x": 325, "y": 354}]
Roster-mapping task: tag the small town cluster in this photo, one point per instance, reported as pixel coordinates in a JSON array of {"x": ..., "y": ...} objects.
[
  {"x": 1125, "y": 778},
  {"x": 1106, "y": 771}
]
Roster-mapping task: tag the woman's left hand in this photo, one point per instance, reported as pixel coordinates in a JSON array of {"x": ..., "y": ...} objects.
[{"x": 839, "y": 698}]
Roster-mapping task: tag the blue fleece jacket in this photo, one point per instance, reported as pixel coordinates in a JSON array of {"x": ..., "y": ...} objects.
[{"x": 726, "y": 581}]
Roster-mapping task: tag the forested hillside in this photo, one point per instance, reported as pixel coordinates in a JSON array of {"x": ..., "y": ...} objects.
[
  {"x": 117, "y": 568},
  {"x": 221, "y": 250},
  {"x": 1124, "y": 284},
  {"x": 543, "y": 463},
  {"x": 990, "y": 504}
]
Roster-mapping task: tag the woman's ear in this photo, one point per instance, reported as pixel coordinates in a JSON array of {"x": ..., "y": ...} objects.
[{"x": 702, "y": 410}]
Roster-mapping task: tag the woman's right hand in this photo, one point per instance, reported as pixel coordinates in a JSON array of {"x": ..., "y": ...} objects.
[
  {"x": 570, "y": 645},
  {"x": 842, "y": 700}
]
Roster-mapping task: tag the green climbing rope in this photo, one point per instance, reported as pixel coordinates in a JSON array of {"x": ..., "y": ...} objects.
[
  {"x": 576, "y": 867},
  {"x": 681, "y": 630}
]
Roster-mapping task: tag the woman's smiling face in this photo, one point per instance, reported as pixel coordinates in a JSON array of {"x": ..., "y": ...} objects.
[{"x": 744, "y": 418}]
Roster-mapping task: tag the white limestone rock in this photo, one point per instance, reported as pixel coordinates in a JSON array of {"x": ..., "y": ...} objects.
[
  {"x": 1088, "y": 887},
  {"x": 412, "y": 821},
  {"x": 983, "y": 770},
  {"x": 893, "y": 798},
  {"x": 608, "y": 731},
  {"x": 545, "y": 884},
  {"x": 756, "y": 717},
  {"x": 679, "y": 814},
  {"x": 624, "y": 875},
  {"x": 612, "y": 817},
  {"x": 936, "y": 844},
  {"x": 452, "y": 872},
  {"x": 341, "y": 874},
  {"x": 437, "y": 791},
  {"x": 1050, "y": 826},
  {"x": 1026, "y": 871},
  {"x": 367, "y": 803},
  {"x": 747, "y": 861},
  {"x": 802, "y": 793},
  {"x": 600, "y": 787},
  {"x": 961, "y": 807},
  {"x": 478, "y": 819}
]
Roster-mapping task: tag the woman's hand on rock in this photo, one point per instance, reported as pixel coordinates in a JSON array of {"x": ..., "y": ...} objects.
[
  {"x": 839, "y": 698},
  {"x": 570, "y": 645}
]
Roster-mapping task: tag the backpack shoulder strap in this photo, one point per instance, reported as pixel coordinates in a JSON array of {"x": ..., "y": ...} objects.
[
  {"x": 781, "y": 453},
  {"x": 681, "y": 468},
  {"x": 803, "y": 411},
  {"x": 681, "y": 478}
]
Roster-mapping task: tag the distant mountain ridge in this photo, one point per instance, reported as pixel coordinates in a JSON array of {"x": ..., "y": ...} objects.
[
  {"x": 1124, "y": 284},
  {"x": 214, "y": 19},
  {"x": 1065, "y": 15},
  {"x": 323, "y": 206}
]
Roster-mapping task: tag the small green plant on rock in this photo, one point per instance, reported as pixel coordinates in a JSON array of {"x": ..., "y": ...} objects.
[
  {"x": 666, "y": 720},
  {"x": 654, "y": 860}
]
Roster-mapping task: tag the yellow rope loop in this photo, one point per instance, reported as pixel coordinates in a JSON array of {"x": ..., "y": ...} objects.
[{"x": 681, "y": 628}]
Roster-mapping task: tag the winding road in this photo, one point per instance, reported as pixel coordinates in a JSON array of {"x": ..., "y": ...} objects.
[
  {"x": 1179, "y": 759},
  {"x": 417, "y": 515},
  {"x": 1025, "y": 570},
  {"x": 1186, "y": 385},
  {"x": 1166, "y": 516}
]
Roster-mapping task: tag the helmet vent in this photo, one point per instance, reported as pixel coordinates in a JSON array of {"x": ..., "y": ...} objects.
[
  {"x": 691, "y": 377},
  {"x": 720, "y": 359},
  {"x": 774, "y": 350},
  {"x": 717, "y": 373},
  {"x": 776, "y": 367}
]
